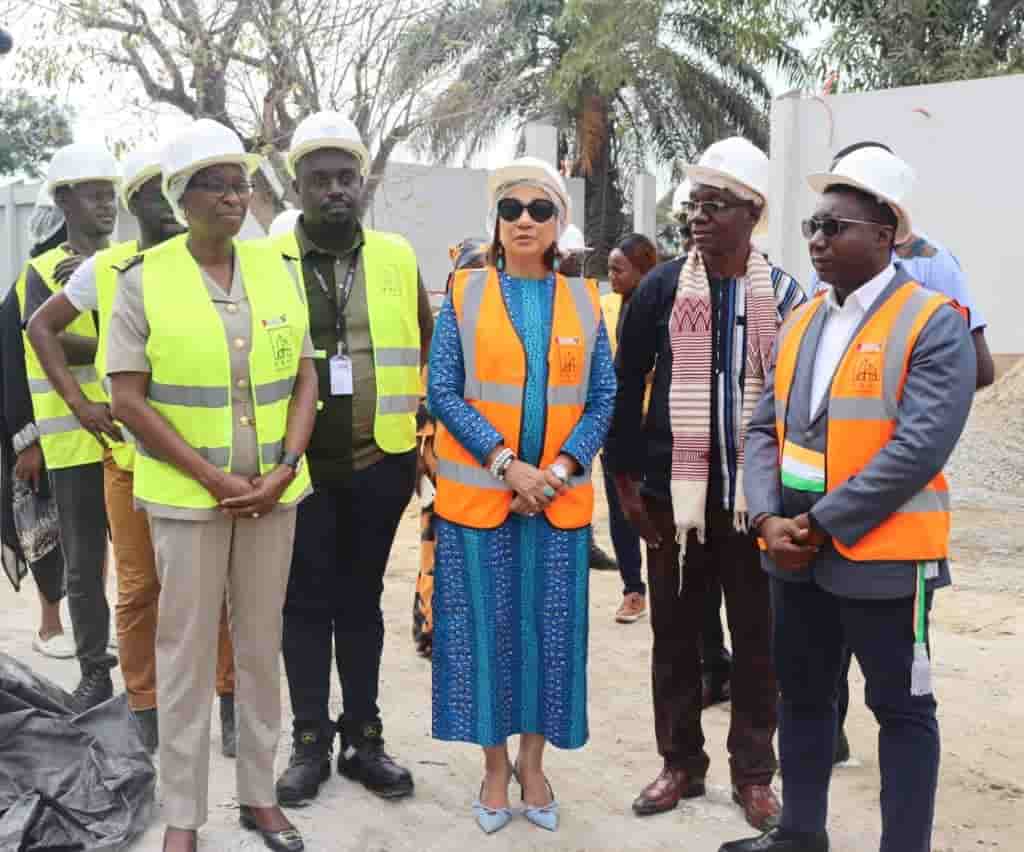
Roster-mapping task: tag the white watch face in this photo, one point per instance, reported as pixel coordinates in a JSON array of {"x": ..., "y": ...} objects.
[{"x": 560, "y": 471}]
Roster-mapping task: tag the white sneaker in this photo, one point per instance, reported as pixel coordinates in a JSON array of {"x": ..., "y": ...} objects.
[{"x": 59, "y": 647}]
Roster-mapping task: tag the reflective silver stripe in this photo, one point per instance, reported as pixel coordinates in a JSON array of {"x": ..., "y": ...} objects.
[
  {"x": 394, "y": 356},
  {"x": 497, "y": 392},
  {"x": 590, "y": 320},
  {"x": 271, "y": 453},
  {"x": 129, "y": 438},
  {"x": 84, "y": 375},
  {"x": 295, "y": 268},
  {"x": 398, "y": 404},
  {"x": 927, "y": 500},
  {"x": 567, "y": 394},
  {"x": 273, "y": 391},
  {"x": 58, "y": 425},
  {"x": 464, "y": 474},
  {"x": 896, "y": 349},
  {"x": 472, "y": 298},
  {"x": 188, "y": 395},
  {"x": 857, "y": 408},
  {"x": 217, "y": 456}
]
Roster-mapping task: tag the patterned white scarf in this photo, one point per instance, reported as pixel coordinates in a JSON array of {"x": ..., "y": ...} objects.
[{"x": 690, "y": 393}]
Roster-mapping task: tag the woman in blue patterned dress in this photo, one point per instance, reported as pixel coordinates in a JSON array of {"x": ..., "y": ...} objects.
[{"x": 522, "y": 384}]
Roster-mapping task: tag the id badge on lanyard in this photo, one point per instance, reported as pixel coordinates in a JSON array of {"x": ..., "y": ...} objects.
[{"x": 340, "y": 364}]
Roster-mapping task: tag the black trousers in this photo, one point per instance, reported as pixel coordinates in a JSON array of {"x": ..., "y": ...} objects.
[
  {"x": 812, "y": 629},
  {"x": 343, "y": 539},
  {"x": 82, "y": 517}
]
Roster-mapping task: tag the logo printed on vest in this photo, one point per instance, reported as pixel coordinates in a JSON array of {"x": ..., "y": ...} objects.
[
  {"x": 868, "y": 372},
  {"x": 570, "y": 357},
  {"x": 280, "y": 341}
]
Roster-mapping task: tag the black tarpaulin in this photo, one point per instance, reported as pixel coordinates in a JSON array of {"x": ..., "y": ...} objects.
[{"x": 68, "y": 782}]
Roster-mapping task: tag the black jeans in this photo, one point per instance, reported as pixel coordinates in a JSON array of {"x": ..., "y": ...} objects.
[
  {"x": 624, "y": 539},
  {"x": 343, "y": 539},
  {"x": 812, "y": 629},
  {"x": 82, "y": 516}
]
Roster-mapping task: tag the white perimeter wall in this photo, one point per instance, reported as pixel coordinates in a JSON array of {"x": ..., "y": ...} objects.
[
  {"x": 433, "y": 207},
  {"x": 966, "y": 143}
]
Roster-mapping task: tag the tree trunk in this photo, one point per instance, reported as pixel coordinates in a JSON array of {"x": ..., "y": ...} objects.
[{"x": 603, "y": 217}]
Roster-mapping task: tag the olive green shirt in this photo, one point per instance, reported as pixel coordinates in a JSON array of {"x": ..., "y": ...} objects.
[{"x": 343, "y": 437}]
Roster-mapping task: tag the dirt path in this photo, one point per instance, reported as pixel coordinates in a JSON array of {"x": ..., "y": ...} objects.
[{"x": 979, "y": 668}]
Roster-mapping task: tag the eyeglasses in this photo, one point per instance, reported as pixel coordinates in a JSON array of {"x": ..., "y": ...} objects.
[
  {"x": 708, "y": 208},
  {"x": 540, "y": 209},
  {"x": 830, "y": 226},
  {"x": 220, "y": 188}
]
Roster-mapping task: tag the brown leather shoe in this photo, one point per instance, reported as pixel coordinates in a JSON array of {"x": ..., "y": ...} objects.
[
  {"x": 665, "y": 791},
  {"x": 760, "y": 805}
]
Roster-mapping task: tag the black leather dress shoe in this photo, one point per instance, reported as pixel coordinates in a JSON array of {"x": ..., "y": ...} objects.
[
  {"x": 364, "y": 760},
  {"x": 286, "y": 840},
  {"x": 779, "y": 840}
]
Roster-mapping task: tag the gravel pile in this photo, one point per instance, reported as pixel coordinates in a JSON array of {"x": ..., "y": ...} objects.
[{"x": 987, "y": 466}]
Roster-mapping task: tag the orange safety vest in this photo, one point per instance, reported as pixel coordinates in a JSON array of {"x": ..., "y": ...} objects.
[
  {"x": 495, "y": 363},
  {"x": 863, "y": 408}
]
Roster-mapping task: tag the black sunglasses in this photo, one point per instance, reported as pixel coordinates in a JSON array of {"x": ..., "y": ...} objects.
[
  {"x": 831, "y": 226},
  {"x": 540, "y": 209}
]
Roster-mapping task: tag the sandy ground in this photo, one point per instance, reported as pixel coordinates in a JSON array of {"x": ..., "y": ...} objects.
[{"x": 979, "y": 668}]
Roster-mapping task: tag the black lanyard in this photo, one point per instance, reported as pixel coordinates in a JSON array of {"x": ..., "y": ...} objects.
[{"x": 344, "y": 294}]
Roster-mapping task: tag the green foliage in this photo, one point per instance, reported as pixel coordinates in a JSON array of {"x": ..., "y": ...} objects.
[
  {"x": 877, "y": 44},
  {"x": 624, "y": 80},
  {"x": 31, "y": 129}
]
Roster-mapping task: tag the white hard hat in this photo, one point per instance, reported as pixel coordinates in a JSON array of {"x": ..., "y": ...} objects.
[
  {"x": 45, "y": 219},
  {"x": 327, "y": 130},
  {"x": 572, "y": 241},
  {"x": 138, "y": 167},
  {"x": 738, "y": 166},
  {"x": 202, "y": 144},
  {"x": 284, "y": 222},
  {"x": 538, "y": 171},
  {"x": 680, "y": 197},
  {"x": 80, "y": 162},
  {"x": 876, "y": 172}
]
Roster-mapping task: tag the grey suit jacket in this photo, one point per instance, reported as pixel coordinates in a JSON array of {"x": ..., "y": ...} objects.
[{"x": 933, "y": 410}]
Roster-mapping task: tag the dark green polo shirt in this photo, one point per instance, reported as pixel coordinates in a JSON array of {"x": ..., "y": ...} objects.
[{"x": 343, "y": 435}]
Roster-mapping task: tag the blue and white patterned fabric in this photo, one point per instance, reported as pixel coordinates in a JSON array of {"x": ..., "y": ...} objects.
[{"x": 511, "y": 604}]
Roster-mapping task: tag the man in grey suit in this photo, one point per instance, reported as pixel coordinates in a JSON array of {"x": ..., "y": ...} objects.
[{"x": 872, "y": 383}]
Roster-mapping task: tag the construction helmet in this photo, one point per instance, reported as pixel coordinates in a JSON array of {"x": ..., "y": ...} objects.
[
  {"x": 327, "y": 130},
  {"x": 739, "y": 166},
  {"x": 138, "y": 167},
  {"x": 80, "y": 162},
  {"x": 202, "y": 144}
]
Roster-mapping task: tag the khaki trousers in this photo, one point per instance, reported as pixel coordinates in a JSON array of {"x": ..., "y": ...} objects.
[
  {"x": 197, "y": 561},
  {"x": 137, "y": 592}
]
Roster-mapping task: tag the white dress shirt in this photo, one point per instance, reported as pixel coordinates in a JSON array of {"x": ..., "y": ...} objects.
[{"x": 841, "y": 322}]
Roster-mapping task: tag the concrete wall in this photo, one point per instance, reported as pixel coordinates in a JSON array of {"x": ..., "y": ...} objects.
[{"x": 963, "y": 140}]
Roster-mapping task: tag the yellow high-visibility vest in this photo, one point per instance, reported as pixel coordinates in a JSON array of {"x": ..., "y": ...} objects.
[
  {"x": 106, "y": 287},
  {"x": 190, "y": 383},
  {"x": 63, "y": 440},
  {"x": 392, "y": 299}
]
